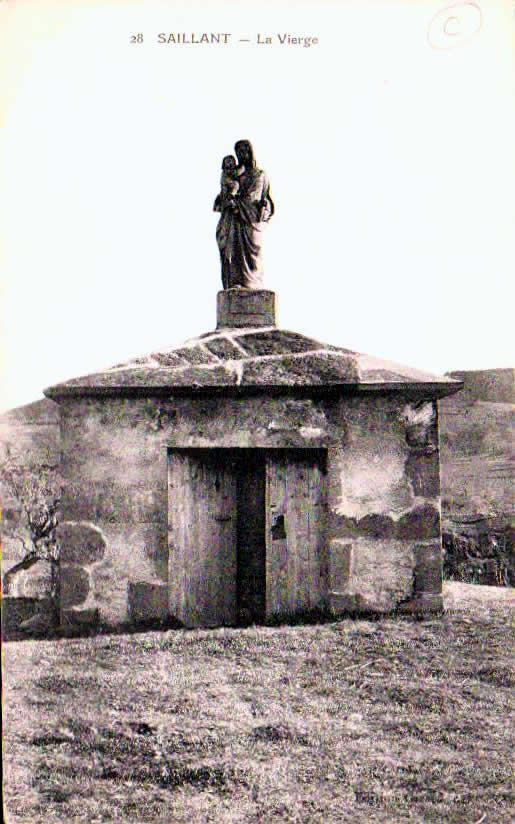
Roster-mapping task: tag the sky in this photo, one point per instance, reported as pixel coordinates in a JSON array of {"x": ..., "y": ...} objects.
[{"x": 388, "y": 144}]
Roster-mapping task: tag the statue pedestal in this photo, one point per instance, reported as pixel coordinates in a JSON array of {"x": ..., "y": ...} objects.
[{"x": 239, "y": 308}]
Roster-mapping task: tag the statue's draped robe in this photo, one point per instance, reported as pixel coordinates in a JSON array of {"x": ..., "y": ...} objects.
[{"x": 239, "y": 231}]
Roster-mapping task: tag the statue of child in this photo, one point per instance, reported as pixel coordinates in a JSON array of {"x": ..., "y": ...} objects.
[{"x": 229, "y": 185}]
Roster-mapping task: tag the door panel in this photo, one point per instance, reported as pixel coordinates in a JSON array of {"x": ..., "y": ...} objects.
[
  {"x": 295, "y": 504},
  {"x": 251, "y": 537},
  {"x": 202, "y": 538}
]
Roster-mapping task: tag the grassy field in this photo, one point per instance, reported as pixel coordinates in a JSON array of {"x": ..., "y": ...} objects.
[{"x": 354, "y": 721}]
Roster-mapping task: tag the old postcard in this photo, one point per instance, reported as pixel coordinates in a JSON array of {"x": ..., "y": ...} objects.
[{"x": 256, "y": 407}]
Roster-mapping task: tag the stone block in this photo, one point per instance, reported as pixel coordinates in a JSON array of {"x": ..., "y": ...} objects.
[
  {"x": 340, "y": 560},
  {"x": 74, "y": 585},
  {"x": 381, "y": 572},
  {"x": 80, "y": 617},
  {"x": 376, "y": 526},
  {"x": 428, "y": 568},
  {"x": 147, "y": 602},
  {"x": 424, "y": 604},
  {"x": 352, "y": 603},
  {"x": 224, "y": 349},
  {"x": 167, "y": 359},
  {"x": 17, "y": 610},
  {"x": 241, "y": 308},
  {"x": 198, "y": 376},
  {"x": 194, "y": 355},
  {"x": 422, "y": 522},
  {"x": 39, "y": 624},
  {"x": 340, "y": 526},
  {"x": 276, "y": 342},
  {"x": 36, "y": 581},
  {"x": 305, "y": 370},
  {"x": 81, "y": 543},
  {"x": 423, "y": 470}
]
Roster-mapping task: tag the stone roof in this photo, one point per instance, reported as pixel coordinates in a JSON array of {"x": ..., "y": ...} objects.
[{"x": 241, "y": 359}]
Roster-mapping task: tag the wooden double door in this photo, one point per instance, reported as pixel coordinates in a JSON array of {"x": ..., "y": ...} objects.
[{"x": 246, "y": 534}]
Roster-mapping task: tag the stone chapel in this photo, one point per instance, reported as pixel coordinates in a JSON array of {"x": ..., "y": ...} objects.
[{"x": 251, "y": 474}]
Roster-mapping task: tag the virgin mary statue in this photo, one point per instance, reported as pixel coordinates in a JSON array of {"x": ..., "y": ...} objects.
[{"x": 245, "y": 206}]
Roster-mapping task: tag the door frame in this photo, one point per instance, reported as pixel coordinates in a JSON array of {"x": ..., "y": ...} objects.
[{"x": 238, "y": 453}]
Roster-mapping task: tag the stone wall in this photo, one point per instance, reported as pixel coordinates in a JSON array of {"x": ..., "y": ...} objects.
[
  {"x": 383, "y": 527},
  {"x": 384, "y": 506}
]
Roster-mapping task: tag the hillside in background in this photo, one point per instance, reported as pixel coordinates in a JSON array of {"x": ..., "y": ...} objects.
[
  {"x": 477, "y": 469},
  {"x": 30, "y": 434},
  {"x": 476, "y": 446}
]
